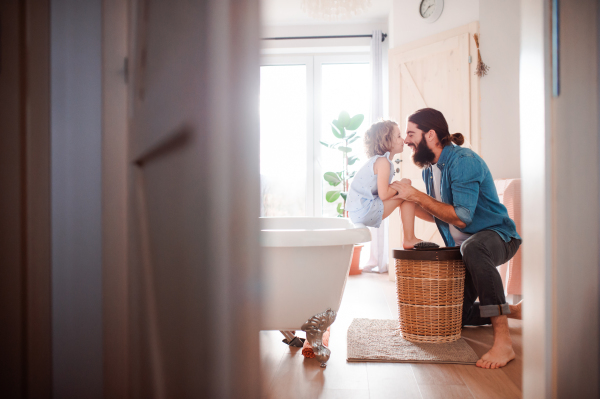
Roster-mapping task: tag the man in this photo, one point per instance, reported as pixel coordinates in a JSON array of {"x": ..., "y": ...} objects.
[{"x": 463, "y": 202}]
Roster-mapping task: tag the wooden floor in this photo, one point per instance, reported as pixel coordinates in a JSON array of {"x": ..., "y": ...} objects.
[{"x": 287, "y": 374}]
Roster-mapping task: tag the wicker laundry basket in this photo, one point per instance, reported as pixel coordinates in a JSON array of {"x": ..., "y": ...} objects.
[{"x": 430, "y": 287}]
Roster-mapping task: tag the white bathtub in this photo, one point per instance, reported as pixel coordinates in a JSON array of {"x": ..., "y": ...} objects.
[{"x": 304, "y": 267}]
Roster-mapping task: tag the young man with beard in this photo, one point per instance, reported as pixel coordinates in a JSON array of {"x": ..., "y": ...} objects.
[{"x": 463, "y": 202}]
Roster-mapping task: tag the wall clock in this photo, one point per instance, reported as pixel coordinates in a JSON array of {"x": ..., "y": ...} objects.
[{"x": 430, "y": 10}]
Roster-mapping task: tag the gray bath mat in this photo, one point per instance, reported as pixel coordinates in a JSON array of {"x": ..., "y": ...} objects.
[{"x": 371, "y": 340}]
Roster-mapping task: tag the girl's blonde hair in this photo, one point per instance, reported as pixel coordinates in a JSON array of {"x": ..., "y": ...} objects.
[{"x": 379, "y": 138}]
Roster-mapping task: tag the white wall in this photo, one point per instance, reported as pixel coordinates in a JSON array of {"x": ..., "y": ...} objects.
[
  {"x": 406, "y": 25},
  {"x": 500, "y": 46}
]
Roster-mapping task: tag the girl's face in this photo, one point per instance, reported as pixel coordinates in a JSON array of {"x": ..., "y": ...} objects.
[{"x": 397, "y": 142}]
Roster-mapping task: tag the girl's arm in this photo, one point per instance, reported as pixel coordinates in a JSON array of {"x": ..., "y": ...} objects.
[{"x": 382, "y": 170}]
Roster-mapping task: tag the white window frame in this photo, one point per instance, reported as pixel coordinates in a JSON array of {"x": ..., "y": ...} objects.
[{"x": 314, "y": 173}]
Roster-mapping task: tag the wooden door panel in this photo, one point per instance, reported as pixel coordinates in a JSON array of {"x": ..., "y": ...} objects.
[
  {"x": 172, "y": 280},
  {"x": 166, "y": 71},
  {"x": 436, "y": 74},
  {"x": 194, "y": 156}
]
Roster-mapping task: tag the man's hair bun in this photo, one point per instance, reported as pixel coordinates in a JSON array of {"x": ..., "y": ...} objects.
[{"x": 458, "y": 138}]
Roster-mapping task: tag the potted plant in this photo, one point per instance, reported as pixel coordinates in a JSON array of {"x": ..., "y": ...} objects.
[{"x": 341, "y": 128}]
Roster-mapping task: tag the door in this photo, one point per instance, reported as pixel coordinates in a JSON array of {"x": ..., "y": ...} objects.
[
  {"x": 194, "y": 148},
  {"x": 435, "y": 72}
]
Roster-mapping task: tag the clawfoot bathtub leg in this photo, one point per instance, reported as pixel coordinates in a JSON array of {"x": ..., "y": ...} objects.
[
  {"x": 291, "y": 339},
  {"x": 314, "y": 328}
]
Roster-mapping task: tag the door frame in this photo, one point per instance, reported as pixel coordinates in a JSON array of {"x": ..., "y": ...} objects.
[
  {"x": 560, "y": 204},
  {"x": 25, "y": 146},
  {"x": 115, "y": 185}
]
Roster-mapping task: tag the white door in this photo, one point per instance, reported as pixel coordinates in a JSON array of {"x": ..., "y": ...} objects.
[
  {"x": 194, "y": 147},
  {"x": 435, "y": 72}
]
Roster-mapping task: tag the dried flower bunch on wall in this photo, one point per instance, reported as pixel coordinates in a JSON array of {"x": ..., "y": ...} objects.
[{"x": 482, "y": 69}]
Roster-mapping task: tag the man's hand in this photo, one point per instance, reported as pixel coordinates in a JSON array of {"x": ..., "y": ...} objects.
[
  {"x": 405, "y": 190},
  {"x": 429, "y": 205}
]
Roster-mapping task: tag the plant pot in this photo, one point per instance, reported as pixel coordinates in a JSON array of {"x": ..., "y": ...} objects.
[{"x": 354, "y": 269}]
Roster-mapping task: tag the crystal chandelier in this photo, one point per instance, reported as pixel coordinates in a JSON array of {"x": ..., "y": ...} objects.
[{"x": 334, "y": 10}]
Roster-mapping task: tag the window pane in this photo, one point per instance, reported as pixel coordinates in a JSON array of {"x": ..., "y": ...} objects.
[
  {"x": 344, "y": 87},
  {"x": 283, "y": 140}
]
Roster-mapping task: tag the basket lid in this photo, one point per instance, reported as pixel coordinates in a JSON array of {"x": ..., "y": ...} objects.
[{"x": 451, "y": 253}]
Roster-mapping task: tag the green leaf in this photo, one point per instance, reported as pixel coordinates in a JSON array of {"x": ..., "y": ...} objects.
[
  {"x": 353, "y": 139},
  {"x": 338, "y": 132},
  {"x": 355, "y": 122},
  {"x": 351, "y": 135},
  {"x": 340, "y": 209},
  {"x": 345, "y": 149},
  {"x": 343, "y": 119},
  {"x": 352, "y": 160},
  {"x": 332, "y": 178},
  {"x": 344, "y": 195},
  {"x": 325, "y": 144},
  {"x": 332, "y": 196},
  {"x": 352, "y": 175},
  {"x": 339, "y": 127}
]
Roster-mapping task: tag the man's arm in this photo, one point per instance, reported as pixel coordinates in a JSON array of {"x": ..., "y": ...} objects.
[
  {"x": 438, "y": 209},
  {"x": 423, "y": 214}
]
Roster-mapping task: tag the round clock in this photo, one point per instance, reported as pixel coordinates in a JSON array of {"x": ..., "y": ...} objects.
[{"x": 431, "y": 10}]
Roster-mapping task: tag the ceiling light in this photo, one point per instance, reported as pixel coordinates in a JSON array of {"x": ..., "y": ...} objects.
[{"x": 335, "y": 10}]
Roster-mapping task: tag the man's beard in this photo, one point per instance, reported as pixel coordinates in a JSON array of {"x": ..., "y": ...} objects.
[{"x": 422, "y": 155}]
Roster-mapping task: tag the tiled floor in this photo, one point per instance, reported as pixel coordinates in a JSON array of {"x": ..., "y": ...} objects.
[{"x": 287, "y": 374}]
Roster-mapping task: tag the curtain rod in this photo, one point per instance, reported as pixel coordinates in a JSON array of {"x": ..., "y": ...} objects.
[{"x": 383, "y": 36}]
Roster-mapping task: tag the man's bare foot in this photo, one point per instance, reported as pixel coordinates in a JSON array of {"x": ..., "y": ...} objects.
[
  {"x": 515, "y": 311},
  {"x": 410, "y": 243},
  {"x": 498, "y": 356},
  {"x": 502, "y": 350}
]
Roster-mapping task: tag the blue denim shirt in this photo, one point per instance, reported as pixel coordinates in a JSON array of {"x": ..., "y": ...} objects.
[{"x": 467, "y": 184}]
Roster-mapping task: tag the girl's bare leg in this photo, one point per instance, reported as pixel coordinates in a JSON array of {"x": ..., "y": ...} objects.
[
  {"x": 407, "y": 214},
  {"x": 389, "y": 206}
]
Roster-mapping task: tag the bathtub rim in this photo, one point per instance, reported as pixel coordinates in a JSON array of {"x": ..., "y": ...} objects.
[{"x": 320, "y": 237}]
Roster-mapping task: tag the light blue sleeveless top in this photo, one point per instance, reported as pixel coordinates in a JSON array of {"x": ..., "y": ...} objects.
[{"x": 363, "y": 190}]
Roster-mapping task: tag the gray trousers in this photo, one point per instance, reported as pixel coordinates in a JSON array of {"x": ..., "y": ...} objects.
[{"x": 482, "y": 253}]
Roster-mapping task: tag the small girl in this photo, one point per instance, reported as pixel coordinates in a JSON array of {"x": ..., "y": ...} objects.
[{"x": 370, "y": 198}]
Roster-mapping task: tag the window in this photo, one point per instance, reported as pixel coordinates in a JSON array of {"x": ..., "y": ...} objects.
[
  {"x": 299, "y": 97},
  {"x": 283, "y": 140}
]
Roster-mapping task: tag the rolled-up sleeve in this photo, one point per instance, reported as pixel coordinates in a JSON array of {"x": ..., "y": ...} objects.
[{"x": 466, "y": 175}]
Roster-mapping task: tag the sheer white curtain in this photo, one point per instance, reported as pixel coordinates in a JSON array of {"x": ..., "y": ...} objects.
[{"x": 378, "y": 261}]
